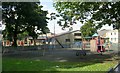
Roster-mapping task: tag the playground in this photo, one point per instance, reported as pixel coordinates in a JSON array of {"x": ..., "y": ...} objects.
[
  {"x": 56, "y": 58},
  {"x": 61, "y": 56}
]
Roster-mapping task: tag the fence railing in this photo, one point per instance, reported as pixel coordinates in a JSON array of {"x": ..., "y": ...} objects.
[{"x": 53, "y": 46}]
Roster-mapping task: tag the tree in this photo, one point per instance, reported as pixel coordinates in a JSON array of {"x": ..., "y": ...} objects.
[
  {"x": 88, "y": 29},
  {"x": 22, "y": 36},
  {"x": 45, "y": 31},
  {"x": 100, "y": 13},
  {"x": 20, "y": 17}
]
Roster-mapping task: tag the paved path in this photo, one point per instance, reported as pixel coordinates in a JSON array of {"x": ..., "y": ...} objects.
[{"x": 117, "y": 69}]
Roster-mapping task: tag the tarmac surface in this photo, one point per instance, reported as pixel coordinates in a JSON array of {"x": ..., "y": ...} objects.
[{"x": 61, "y": 55}]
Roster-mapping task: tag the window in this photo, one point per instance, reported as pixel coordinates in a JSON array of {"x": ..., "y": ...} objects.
[
  {"x": 115, "y": 39},
  {"x": 77, "y": 40},
  {"x": 114, "y": 33},
  {"x": 67, "y": 40},
  {"x": 77, "y": 34},
  {"x": 111, "y": 39},
  {"x": 111, "y": 33}
]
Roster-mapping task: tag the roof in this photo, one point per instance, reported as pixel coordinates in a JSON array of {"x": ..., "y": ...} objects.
[
  {"x": 87, "y": 37},
  {"x": 94, "y": 35},
  {"x": 102, "y": 32},
  {"x": 41, "y": 37},
  {"x": 65, "y": 33},
  {"x": 44, "y": 37}
]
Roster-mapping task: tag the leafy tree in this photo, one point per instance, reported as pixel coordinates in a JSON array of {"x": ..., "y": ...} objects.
[
  {"x": 100, "y": 13},
  {"x": 45, "y": 31},
  {"x": 88, "y": 29},
  {"x": 23, "y": 35},
  {"x": 20, "y": 17}
]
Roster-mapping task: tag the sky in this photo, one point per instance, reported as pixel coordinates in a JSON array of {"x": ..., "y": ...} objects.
[{"x": 48, "y": 5}]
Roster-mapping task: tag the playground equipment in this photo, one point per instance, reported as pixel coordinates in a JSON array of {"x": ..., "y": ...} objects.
[
  {"x": 81, "y": 45},
  {"x": 59, "y": 43},
  {"x": 55, "y": 39},
  {"x": 97, "y": 44}
]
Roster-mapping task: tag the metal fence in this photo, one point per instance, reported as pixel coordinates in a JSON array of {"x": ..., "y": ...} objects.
[{"x": 47, "y": 47}]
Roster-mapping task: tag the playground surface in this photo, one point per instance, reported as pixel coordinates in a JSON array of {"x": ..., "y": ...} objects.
[{"x": 61, "y": 55}]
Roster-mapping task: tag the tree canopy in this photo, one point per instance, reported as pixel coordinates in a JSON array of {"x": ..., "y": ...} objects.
[
  {"x": 20, "y": 17},
  {"x": 99, "y": 13},
  {"x": 88, "y": 29}
]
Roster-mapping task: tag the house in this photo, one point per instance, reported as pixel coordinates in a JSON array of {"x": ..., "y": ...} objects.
[
  {"x": 111, "y": 35},
  {"x": 103, "y": 32},
  {"x": 40, "y": 39},
  {"x": 28, "y": 40},
  {"x": 67, "y": 38}
]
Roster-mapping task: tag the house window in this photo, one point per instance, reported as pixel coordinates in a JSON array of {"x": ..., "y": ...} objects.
[
  {"x": 77, "y": 34},
  {"x": 77, "y": 40},
  {"x": 67, "y": 40},
  {"x": 115, "y": 39},
  {"x": 114, "y": 33},
  {"x": 111, "y": 39}
]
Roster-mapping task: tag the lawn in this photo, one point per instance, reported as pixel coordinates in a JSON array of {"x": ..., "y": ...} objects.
[{"x": 14, "y": 64}]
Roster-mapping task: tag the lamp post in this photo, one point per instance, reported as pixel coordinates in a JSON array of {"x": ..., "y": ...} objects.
[
  {"x": 53, "y": 17},
  {"x": 54, "y": 36}
]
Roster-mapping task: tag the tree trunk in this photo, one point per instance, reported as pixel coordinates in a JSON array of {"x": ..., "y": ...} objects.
[
  {"x": 15, "y": 36},
  {"x": 34, "y": 42},
  {"x": 15, "y": 40}
]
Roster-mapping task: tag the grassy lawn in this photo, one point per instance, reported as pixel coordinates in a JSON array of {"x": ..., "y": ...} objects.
[{"x": 13, "y": 64}]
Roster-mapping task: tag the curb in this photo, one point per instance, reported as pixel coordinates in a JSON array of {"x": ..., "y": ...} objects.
[{"x": 115, "y": 69}]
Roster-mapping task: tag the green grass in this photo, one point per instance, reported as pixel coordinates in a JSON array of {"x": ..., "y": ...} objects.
[{"x": 13, "y": 64}]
